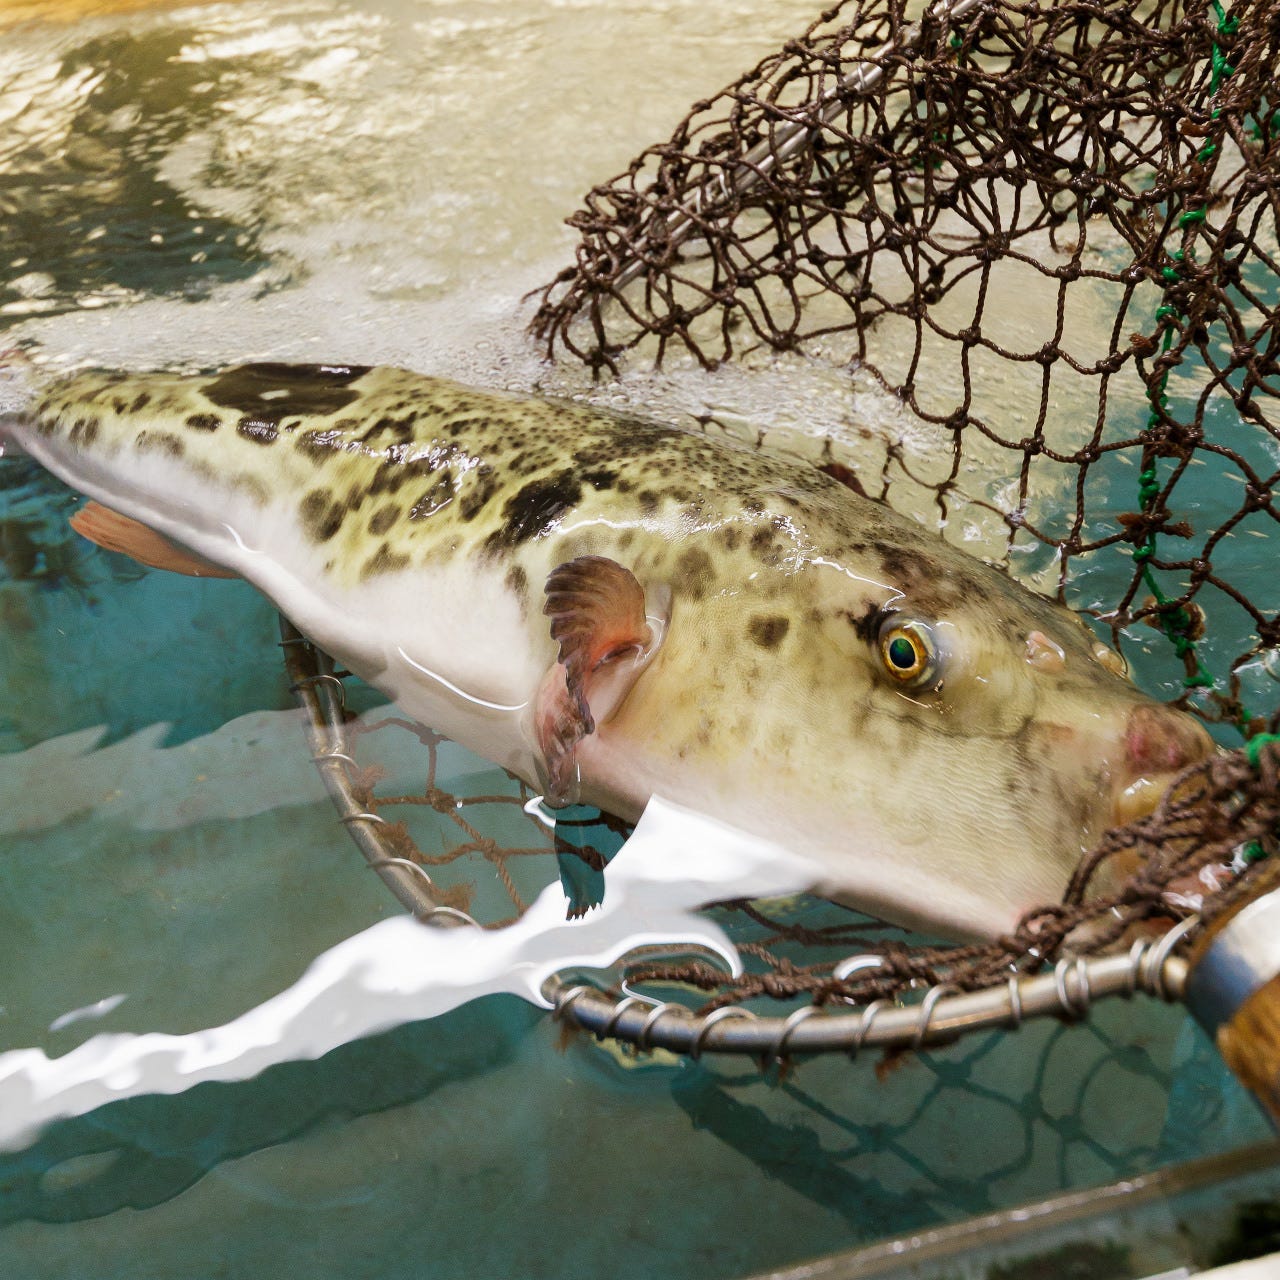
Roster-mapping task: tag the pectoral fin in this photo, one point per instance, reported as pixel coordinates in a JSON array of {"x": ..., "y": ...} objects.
[
  {"x": 607, "y": 638},
  {"x": 114, "y": 532}
]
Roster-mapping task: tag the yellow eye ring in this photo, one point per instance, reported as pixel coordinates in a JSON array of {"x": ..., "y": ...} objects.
[{"x": 908, "y": 653}]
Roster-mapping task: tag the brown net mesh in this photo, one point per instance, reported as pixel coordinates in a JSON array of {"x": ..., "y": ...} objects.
[
  {"x": 1049, "y": 233},
  {"x": 1038, "y": 241},
  {"x": 1047, "y": 230},
  {"x": 483, "y": 841}
]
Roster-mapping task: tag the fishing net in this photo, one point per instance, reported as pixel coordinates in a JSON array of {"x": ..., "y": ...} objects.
[{"x": 1039, "y": 244}]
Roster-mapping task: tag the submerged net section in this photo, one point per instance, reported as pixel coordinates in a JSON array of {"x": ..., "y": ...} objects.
[
  {"x": 453, "y": 854},
  {"x": 958, "y": 990}
]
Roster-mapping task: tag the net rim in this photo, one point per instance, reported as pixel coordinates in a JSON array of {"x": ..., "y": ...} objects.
[{"x": 941, "y": 1016}]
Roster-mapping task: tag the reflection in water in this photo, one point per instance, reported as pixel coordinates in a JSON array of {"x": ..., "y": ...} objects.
[
  {"x": 86, "y": 220},
  {"x": 147, "y": 1150},
  {"x": 876, "y": 1156},
  {"x": 401, "y": 971}
]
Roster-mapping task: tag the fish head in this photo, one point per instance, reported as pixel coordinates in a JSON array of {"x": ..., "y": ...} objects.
[
  {"x": 1003, "y": 664},
  {"x": 1005, "y": 737},
  {"x": 943, "y": 742}
]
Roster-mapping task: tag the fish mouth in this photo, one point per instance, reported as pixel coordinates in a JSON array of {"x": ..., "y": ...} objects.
[{"x": 1140, "y": 799}]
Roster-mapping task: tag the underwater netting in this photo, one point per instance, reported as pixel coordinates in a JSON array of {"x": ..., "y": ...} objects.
[
  {"x": 464, "y": 867},
  {"x": 1039, "y": 243}
]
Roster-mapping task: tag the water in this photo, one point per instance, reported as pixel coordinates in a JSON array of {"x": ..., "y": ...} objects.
[{"x": 381, "y": 181}]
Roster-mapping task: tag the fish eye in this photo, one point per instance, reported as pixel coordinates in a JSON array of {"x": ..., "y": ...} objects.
[{"x": 908, "y": 652}]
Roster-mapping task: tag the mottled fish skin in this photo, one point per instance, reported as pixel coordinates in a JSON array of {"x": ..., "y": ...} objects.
[{"x": 408, "y": 524}]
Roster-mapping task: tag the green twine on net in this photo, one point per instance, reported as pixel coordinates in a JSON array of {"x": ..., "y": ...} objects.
[
  {"x": 1253, "y": 748},
  {"x": 1177, "y": 622},
  {"x": 1253, "y": 851}
]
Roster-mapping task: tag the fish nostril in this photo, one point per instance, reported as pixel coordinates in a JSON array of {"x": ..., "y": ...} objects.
[{"x": 1164, "y": 741}]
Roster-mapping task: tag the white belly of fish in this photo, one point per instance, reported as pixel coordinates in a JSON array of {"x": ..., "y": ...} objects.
[{"x": 449, "y": 644}]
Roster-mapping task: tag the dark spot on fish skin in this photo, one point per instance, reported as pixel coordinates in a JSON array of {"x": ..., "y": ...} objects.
[
  {"x": 517, "y": 580},
  {"x": 83, "y": 431},
  {"x": 204, "y": 421},
  {"x": 601, "y": 479},
  {"x": 475, "y": 496},
  {"x": 252, "y": 485},
  {"x": 867, "y": 624},
  {"x": 439, "y": 495},
  {"x": 259, "y": 430},
  {"x": 140, "y": 402},
  {"x": 695, "y": 570},
  {"x": 648, "y": 501},
  {"x": 768, "y": 631},
  {"x": 761, "y": 541},
  {"x": 319, "y": 444},
  {"x": 394, "y": 472},
  {"x": 384, "y": 560},
  {"x": 384, "y": 426},
  {"x": 383, "y": 519},
  {"x": 931, "y": 586},
  {"x": 321, "y": 517},
  {"x": 159, "y": 442},
  {"x": 536, "y": 507},
  {"x": 460, "y": 426},
  {"x": 730, "y": 536},
  {"x": 900, "y": 564},
  {"x": 251, "y": 390},
  {"x": 753, "y": 506}
]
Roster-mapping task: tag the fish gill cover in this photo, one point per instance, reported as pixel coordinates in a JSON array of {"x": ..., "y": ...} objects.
[{"x": 1050, "y": 231}]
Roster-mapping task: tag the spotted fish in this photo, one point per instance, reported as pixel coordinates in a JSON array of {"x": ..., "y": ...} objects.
[{"x": 612, "y": 608}]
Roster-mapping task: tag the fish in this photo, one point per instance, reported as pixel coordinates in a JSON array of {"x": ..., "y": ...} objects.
[{"x": 614, "y": 608}]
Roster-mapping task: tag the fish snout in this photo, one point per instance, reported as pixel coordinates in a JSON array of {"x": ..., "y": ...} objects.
[
  {"x": 1158, "y": 743},
  {"x": 1160, "y": 740}
]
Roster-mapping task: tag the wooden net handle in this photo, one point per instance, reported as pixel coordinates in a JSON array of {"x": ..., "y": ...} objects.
[{"x": 1233, "y": 988}]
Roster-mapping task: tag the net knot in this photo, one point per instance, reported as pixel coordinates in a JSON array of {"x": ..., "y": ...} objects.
[{"x": 441, "y": 801}]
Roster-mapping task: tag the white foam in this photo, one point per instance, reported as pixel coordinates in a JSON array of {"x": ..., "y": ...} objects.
[{"x": 401, "y": 971}]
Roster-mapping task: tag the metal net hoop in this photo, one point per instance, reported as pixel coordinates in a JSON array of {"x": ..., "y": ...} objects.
[{"x": 857, "y": 1008}]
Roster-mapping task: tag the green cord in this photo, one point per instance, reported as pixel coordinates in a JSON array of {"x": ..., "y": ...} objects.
[
  {"x": 1176, "y": 623},
  {"x": 1253, "y": 748}
]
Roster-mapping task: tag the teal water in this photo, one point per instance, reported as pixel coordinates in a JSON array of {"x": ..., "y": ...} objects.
[{"x": 164, "y": 836}]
